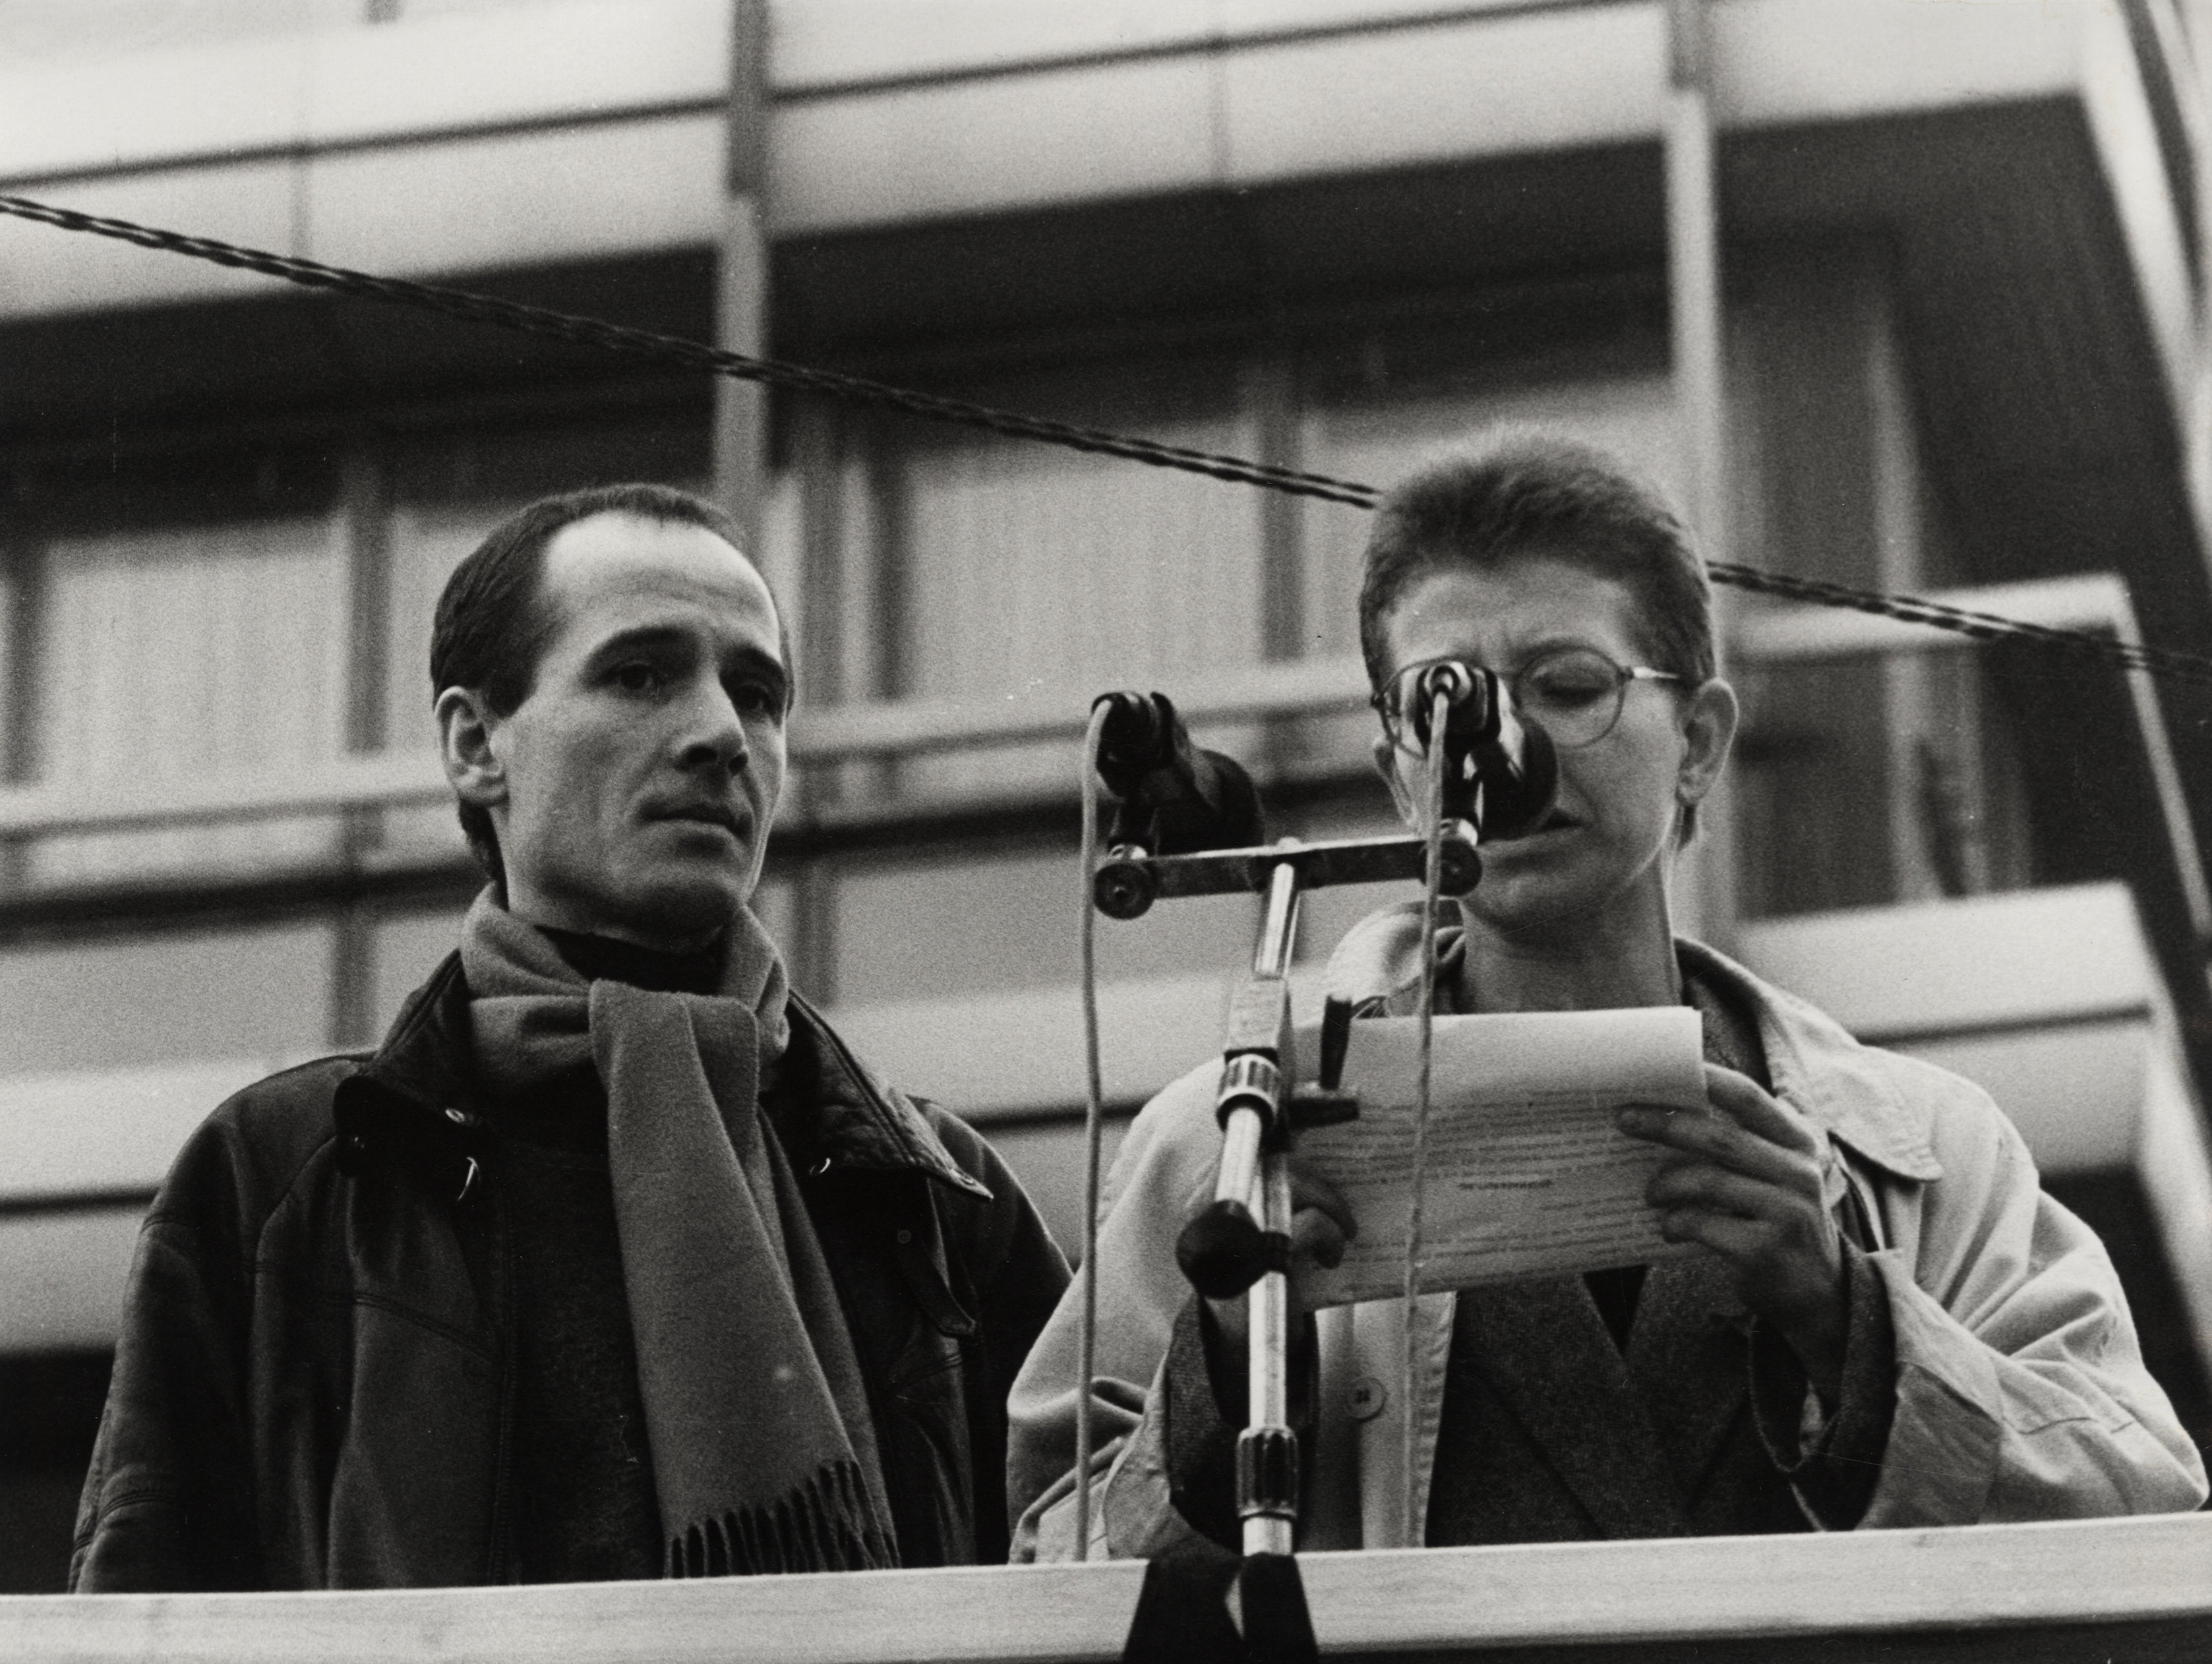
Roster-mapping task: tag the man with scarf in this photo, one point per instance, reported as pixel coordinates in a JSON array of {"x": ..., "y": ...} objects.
[{"x": 613, "y": 1260}]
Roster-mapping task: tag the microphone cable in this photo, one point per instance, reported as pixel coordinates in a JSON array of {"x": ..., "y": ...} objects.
[
  {"x": 1432, "y": 888},
  {"x": 1094, "y": 1122}
]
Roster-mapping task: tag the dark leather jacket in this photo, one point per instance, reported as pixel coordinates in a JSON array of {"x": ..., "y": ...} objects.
[{"x": 313, "y": 1386}]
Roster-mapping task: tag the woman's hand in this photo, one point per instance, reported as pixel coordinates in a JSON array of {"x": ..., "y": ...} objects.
[
  {"x": 1322, "y": 1226},
  {"x": 1746, "y": 1182}
]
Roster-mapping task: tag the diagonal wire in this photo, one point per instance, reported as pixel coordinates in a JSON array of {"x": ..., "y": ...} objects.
[
  {"x": 474, "y": 308},
  {"x": 1963, "y": 621},
  {"x": 470, "y": 307}
]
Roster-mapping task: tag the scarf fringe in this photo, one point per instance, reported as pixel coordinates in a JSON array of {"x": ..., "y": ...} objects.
[{"x": 826, "y": 1524}]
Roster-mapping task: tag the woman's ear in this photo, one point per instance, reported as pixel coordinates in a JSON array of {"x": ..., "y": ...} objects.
[
  {"x": 472, "y": 761},
  {"x": 1709, "y": 724}
]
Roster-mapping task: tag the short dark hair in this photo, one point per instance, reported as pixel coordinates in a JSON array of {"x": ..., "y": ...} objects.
[
  {"x": 491, "y": 629},
  {"x": 1522, "y": 492}
]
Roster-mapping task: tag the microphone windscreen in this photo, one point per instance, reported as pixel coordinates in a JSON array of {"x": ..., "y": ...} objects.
[
  {"x": 1136, "y": 740},
  {"x": 1175, "y": 799},
  {"x": 1517, "y": 792}
]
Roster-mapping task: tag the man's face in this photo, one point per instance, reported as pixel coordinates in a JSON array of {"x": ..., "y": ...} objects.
[
  {"x": 641, "y": 773},
  {"x": 1605, "y": 845}
]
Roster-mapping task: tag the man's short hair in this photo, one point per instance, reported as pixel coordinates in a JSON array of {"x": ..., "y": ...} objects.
[
  {"x": 490, "y": 629},
  {"x": 1521, "y": 492}
]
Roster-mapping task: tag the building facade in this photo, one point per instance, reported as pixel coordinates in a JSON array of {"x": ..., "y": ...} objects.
[{"x": 1899, "y": 296}]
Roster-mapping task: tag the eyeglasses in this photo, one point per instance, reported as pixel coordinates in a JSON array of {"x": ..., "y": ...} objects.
[{"x": 1574, "y": 694}]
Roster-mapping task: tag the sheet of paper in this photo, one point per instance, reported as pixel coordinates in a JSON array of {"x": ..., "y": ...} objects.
[{"x": 1527, "y": 1175}]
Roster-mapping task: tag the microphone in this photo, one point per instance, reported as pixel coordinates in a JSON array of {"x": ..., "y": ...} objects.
[
  {"x": 1500, "y": 773},
  {"x": 1174, "y": 800}
]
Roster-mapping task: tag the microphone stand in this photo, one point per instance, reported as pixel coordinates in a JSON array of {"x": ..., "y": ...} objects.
[
  {"x": 1258, "y": 1054},
  {"x": 1240, "y": 1244}
]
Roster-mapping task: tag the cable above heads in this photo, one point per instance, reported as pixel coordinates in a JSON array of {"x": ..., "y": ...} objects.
[{"x": 474, "y": 308}]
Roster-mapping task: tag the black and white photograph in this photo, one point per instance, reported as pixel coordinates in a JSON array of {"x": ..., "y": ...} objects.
[{"x": 1080, "y": 831}]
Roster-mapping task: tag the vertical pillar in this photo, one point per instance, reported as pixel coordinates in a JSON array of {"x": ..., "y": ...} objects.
[
  {"x": 817, "y": 458},
  {"x": 741, "y": 293},
  {"x": 1936, "y": 760},
  {"x": 1271, "y": 393},
  {"x": 1271, "y": 400},
  {"x": 1693, "y": 276},
  {"x": 365, "y": 514},
  {"x": 2193, "y": 88},
  {"x": 741, "y": 467},
  {"x": 889, "y": 615},
  {"x": 365, "y": 505},
  {"x": 23, "y": 548}
]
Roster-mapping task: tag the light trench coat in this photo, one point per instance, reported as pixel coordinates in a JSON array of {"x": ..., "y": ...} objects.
[{"x": 2020, "y": 1391}]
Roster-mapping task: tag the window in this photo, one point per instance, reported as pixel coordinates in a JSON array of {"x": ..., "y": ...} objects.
[
  {"x": 1859, "y": 781},
  {"x": 1035, "y": 579},
  {"x": 171, "y": 654}
]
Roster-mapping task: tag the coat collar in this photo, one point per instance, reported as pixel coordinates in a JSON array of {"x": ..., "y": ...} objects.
[
  {"x": 1818, "y": 1068},
  {"x": 860, "y": 1122},
  {"x": 863, "y": 1121}
]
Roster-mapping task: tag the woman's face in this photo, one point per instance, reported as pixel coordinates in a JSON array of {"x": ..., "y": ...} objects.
[{"x": 1611, "y": 832}]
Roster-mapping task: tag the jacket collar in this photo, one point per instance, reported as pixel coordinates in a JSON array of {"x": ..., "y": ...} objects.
[
  {"x": 1820, "y": 1069},
  {"x": 1817, "y": 1067},
  {"x": 860, "y": 1122},
  {"x": 425, "y": 1054},
  {"x": 863, "y": 1121},
  {"x": 411, "y": 1101}
]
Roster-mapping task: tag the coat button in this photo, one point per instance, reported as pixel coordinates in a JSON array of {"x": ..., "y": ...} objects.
[
  {"x": 1365, "y": 1399},
  {"x": 905, "y": 1237}
]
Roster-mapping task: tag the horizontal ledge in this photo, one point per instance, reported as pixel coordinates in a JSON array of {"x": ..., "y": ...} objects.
[
  {"x": 305, "y": 149},
  {"x": 1179, "y": 41},
  {"x": 1304, "y": 687},
  {"x": 1993, "y": 1578},
  {"x": 1759, "y": 86},
  {"x": 122, "y": 1199},
  {"x": 2105, "y": 1014},
  {"x": 894, "y": 828},
  {"x": 1786, "y": 633},
  {"x": 819, "y": 738},
  {"x": 905, "y": 728},
  {"x": 299, "y": 145},
  {"x": 1334, "y": 686}
]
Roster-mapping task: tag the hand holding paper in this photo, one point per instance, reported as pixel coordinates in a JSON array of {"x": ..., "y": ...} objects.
[
  {"x": 1750, "y": 1183},
  {"x": 1528, "y": 1174}
]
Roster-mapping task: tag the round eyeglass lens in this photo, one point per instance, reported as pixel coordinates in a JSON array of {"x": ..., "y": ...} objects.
[{"x": 1575, "y": 693}]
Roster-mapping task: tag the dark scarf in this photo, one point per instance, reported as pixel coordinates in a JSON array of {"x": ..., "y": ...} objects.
[{"x": 764, "y": 1453}]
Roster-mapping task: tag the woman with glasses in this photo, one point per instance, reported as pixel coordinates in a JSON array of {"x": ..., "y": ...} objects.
[{"x": 1889, "y": 1325}]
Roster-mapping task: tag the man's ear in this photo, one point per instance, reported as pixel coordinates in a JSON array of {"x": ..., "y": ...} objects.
[
  {"x": 1709, "y": 725},
  {"x": 465, "y": 747},
  {"x": 1386, "y": 761}
]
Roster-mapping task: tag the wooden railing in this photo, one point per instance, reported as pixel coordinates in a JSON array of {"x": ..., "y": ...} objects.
[{"x": 2119, "y": 1590}]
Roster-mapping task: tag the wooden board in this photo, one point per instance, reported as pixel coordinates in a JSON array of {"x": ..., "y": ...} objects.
[{"x": 2127, "y": 1590}]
